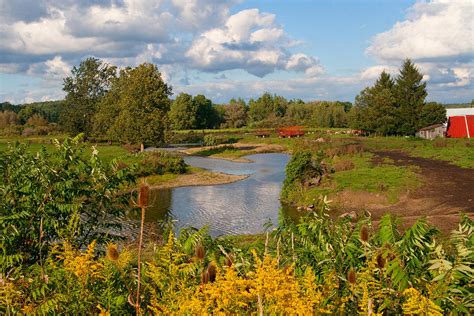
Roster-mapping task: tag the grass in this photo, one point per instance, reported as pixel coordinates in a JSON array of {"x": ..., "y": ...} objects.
[{"x": 222, "y": 151}]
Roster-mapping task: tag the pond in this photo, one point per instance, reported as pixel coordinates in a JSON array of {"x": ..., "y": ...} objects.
[{"x": 242, "y": 207}]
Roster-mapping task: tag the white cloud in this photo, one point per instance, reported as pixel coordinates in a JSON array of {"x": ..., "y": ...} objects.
[
  {"x": 248, "y": 40},
  {"x": 372, "y": 73},
  {"x": 435, "y": 30}
]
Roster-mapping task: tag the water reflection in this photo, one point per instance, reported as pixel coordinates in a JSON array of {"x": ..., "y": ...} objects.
[{"x": 241, "y": 207}]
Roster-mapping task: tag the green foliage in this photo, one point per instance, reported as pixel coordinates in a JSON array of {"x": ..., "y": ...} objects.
[
  {"x": 410, "y": 94},
  {"x": 183, "y": 112},
  {"x": 301, "y": 167},
  {"x": 235, "y": 114},
  {"x": 267, "y": 106},
  {"x": 210, "y": 140},
  {"x": 396, "y": 108},
  {"x": 135, "y": 109},
  {"x": 85, "y": 88},
  {"x": 318, "y": 265},
  {"x": 432, "y": 113},
  {"x": 56, "y": 194},
  {"x": 196, "y": 112},
  {"x": 158, "y": 162}
]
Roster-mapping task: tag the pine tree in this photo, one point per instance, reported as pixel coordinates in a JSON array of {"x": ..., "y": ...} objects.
[{"x": 410, "y": 94}]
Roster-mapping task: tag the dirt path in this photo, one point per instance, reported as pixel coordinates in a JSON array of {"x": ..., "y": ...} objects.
[{"x": 447, "y": 191}]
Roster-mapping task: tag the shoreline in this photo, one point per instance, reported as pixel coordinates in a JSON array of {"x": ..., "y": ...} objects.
[
  {"x": 244, "y": 148},
  {"x": 200, "y": 178}
]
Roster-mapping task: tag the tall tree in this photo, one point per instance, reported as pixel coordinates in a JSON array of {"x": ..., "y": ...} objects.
[
  {"x": 137, "y": 104},
  {"x": 84, "y": 89},
  {"x": 432, "y": 113},
  {"x": 206, "y": 116},
  {"x": 267, "y": 107},
  {"x": 235, "y": 114},
  {"x": 183, "y": 112},
  {"x": 376, "y": 109},
  {"x": 410, "y": 94}
]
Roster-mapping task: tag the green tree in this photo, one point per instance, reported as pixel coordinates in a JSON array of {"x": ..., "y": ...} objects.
[
  {"x": 135, "y": 109},
  {"x": 267, "y": 107},
  {"x": 432, "y": 113},
  {"x": 206, "y": 116},
  {"x": 376, "y": 109},
  {"x": 235, "y": 114},
  {"x": 183, "y": 112},
  {"x": 85, "y": 88},
  {"x": 410, "y": 93}
]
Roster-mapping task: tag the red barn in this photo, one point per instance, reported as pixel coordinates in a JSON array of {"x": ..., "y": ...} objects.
[{"x": 460, "y": 123}]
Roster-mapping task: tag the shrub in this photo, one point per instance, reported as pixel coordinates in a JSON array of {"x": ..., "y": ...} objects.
[
  {"x": 60, "y": 194},
  {"x": 210, "y": 140},
  {"x": 301, "y": 167},
  {"x": 159, "y": 162}
]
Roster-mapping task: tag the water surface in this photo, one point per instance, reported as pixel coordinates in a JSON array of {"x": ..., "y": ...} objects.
[{"x": 242, "y": 207}]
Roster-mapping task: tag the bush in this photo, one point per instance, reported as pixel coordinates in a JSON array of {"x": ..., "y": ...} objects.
[
  {"x": 210, "y": 140},
  {"x": 300, "y": 168},
  {"x": 60, "y": 194},
  {"x": 159, "y": 162}
]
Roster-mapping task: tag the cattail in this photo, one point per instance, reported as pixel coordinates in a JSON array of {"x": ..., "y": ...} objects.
[
  {"x": 143, "y": 195},
  {"x": 211, "y": 272},
  {"x": 228, "y": 260},
  {"x": 351, "y": 276},
  {"x": 364, "y": 233},
  {"x": 112, "y": 252},
  {"x": 200, "y": 252},
  {"x": 380, "y": 261}
]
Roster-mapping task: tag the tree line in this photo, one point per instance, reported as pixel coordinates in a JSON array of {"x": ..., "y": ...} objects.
[{"x": 134, "y": 105}]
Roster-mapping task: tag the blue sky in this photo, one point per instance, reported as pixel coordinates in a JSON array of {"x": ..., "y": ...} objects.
[{"x": 314, "y": 50}]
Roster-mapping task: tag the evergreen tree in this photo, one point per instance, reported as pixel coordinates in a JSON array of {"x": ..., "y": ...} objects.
[
  {"x": 410, "y": 94},
  {"x": 383, "y": 110}
]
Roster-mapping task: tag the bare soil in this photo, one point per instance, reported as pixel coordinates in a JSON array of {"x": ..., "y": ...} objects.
[
  {"x": 446, "y": 192},
  {"x": 200, "y": 178}
]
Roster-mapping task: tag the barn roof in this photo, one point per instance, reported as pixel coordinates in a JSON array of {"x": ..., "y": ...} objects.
[
  {"x": 431, "y": 127},
  {"x": 459, "y": 112}
]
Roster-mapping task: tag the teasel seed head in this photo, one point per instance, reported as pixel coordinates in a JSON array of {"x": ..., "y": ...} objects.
[
  {"x": 211, "y": 272},
  {"x": 204, "y": 277},
  {"x": 351, "y": 276},
  {"x": 364, "y": 233},
  {"x": 112, "y": 252},
  {"x": 380, "y": 261},
  {"x": 143, "y": 195},
  {"x": 200, "y": 252}
]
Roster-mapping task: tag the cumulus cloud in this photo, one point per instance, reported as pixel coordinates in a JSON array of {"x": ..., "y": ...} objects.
[
  {"x": 248, "y": 40},
  {"x": 372, "y": 73},
  {"x": 435, "y": 30},
  {"x": 197, "y": 34},
  {"x": 438, "y": 36}
]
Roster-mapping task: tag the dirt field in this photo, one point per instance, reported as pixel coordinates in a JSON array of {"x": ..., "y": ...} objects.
[{"x": 447, "y": 191}]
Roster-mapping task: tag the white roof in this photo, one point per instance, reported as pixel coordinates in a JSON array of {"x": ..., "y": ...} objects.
[{"x": 459, "y": 112}]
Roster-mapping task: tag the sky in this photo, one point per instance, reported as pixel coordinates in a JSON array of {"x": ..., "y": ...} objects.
[{"x": 312, "y": 50}]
